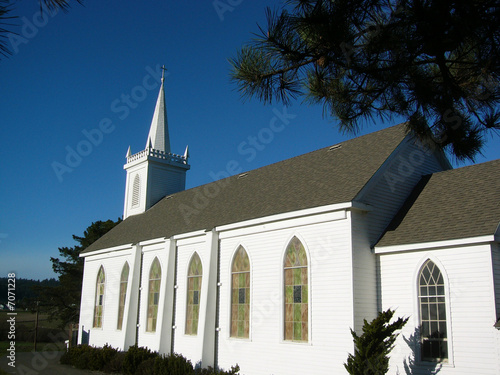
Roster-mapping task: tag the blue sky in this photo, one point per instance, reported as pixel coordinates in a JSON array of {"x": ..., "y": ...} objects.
[{"x": 73, "y": 75}]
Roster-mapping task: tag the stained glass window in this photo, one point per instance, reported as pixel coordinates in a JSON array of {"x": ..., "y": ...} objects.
[
  {"x": 195, "y": 272},
  {"x": 432, "y": 305},
  {"x": 296, "y": 292},
  {"x": 123, "y": 294},
  {"x": 240, "y": 296},
  {"x": 153, "y": 295},
  {"x": 99, "y": 299}
]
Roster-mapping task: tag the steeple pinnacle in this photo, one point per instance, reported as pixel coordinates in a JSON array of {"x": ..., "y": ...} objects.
[{"x": 158, "y": 137}]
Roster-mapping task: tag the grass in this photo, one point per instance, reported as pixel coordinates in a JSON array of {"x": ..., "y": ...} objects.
[
  {"x": 24, "y": 328},
  {"x": 28, "y": 318}
]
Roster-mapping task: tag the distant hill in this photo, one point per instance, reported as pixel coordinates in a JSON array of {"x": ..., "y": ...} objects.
[{"x": 25, "y": 292}]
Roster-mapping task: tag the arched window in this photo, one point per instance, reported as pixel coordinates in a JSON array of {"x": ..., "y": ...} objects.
[
  {"x": 153, "y": 295},
  {"x": 432, "y": 306},
  {"x": 136, "y": 190},
  {"x": 296, "y": 292},
  {"x": 123, "y": 294},
  {"x": 195, "y": 272},
  {"x": 99, "y": 299},
  {"x": 240, "y": 296}
]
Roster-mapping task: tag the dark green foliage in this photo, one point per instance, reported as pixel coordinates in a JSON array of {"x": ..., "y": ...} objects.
[
  {"x": 372, "y": 348},
  {"x": 136, "y": 361},
  {"x": 115, "y": 364},
  {"x": 27, "y": 291},
  {"x": 102, "y": 356},
  {"x": 211, "y": 371},
  {"x": 146, "y": 367},
  {"x": 90, "y": 358},
  {"x": 79, "y": 356},
  {"x": 174, "y": 364},
  {"x": 433, "y": 63},
  {"x": 62, "y": 302},
  {"x": 133, "y": 358}
]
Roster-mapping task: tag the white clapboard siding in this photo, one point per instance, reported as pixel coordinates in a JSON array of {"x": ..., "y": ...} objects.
[
  {"x": 391, "y": 185},
  {"x": 471, "y": 306},
  {"x": 140, "y": 171},
  {"x": 330, "y": 302},
  {"x": 164, "y": 180},
  {"x": 364, "y": 272},
  {"x": 112, "y": 264},
  {"x": 150, "y": 252},
  {"x": 190, "y": 346},
  {"x": 495, "y": 252}
]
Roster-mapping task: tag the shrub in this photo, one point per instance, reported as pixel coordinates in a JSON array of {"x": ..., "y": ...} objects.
[
  {"x": 211, "y": 371},
  {"x": 78, "y": 356},
  {"x": 89, "y": 358},
  {"x": 115, "y": 364},
  {"x": 146, "y": 367},
  {"x": 134, "y": 356},
  {"x": 174, "y": 364},
  {"x": 373, "y": 346},
  {"x": 101, "y": 356},
  {"x": 136, "y": 361}
]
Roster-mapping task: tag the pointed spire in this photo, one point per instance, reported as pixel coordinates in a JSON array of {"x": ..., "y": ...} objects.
[
  {"x": 129, "y": 153},
  {"x": 158, "y": 132},
  {"x": 186, "y": 153},
  {"x": 150, "y": 145}
]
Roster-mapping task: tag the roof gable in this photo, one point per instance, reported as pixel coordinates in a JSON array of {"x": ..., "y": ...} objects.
[
  {"x": 330, "y": 175},
  {"x": 458, "y": 203}
]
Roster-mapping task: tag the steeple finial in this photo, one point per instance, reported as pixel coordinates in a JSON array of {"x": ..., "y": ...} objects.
[{"x": 163, "y": 70}]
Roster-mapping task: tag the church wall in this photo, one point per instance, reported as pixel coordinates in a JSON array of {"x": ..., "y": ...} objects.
[
  {"x": 330, "y": 297},
  {"x": 391, "y": 185},
  {"x": 190, "y": 346},
  {"x": 495, "y": 255},
  {"x": 112, "y": 264},
  {"x": 470, "y": 310},
  {"x": 142, "y": 172},
  {"x": 364, "y": 271},
  {"x": 165, "y": 180},
  {"x": 158, "y": 250}
]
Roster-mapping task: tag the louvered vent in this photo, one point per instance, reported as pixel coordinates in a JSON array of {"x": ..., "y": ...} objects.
[{"x": 136, "y": 191}]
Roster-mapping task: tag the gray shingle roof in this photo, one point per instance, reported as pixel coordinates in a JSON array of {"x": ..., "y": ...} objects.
[
  {"x": 311, "y": 180},
  {"x": 459, "y": 203}
]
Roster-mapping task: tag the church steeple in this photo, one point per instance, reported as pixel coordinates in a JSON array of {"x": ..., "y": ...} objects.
[
  {"x": 158, "y": 132},
  {"x": 154, "y": 172}
]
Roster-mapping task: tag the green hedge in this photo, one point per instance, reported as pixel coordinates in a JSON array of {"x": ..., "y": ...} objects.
[{"x": 135, "y": 361}]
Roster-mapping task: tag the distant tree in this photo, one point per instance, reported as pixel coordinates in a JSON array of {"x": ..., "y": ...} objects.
[
  {"x": 434, "y": 63},
  {"x": 63, "y": 301},
  {"x": 7, "y": 19},
  {"x": 372, "y": 348},
  {"x": 26, "y": 291}
]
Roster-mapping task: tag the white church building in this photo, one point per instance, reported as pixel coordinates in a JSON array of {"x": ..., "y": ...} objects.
[{"x": 271, "y": 268}]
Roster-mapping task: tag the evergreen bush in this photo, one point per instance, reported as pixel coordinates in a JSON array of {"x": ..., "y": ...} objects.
[
  {"x": 134, "y": 356},
  {"x": 372, "y": 348},
  {"x": 136, "y": 361},
  {"x": 115, "y": 364}
]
